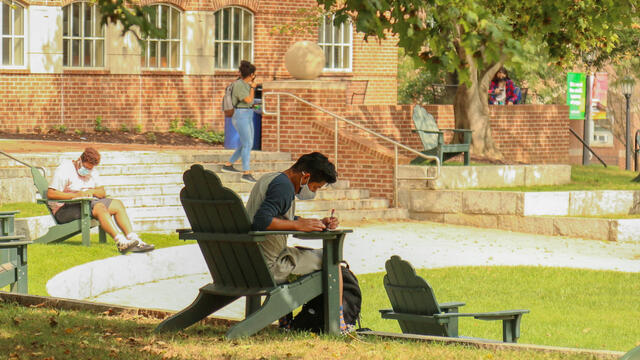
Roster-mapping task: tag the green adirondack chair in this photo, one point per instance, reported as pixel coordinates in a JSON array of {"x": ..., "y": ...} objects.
[
  {"x": 222, "y": 228},
  {"x": 13, "y": 255},
  {"x": 418, "y": 312},
  {"x": 433, "y": 138},
  {"x": 60, "y": 232},
  {"x": 633, "y": 354}
]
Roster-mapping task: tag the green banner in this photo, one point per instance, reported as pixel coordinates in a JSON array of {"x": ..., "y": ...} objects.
[{"x": 576, "y": 91}]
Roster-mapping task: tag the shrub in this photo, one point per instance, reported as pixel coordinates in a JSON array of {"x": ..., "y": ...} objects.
[
  {"x": 59, "y": 129},
  {"x": 124, "y": 128},
  {"x": 189, "y": 128},
  {"x": 98, "y": 127},
  {"x": 151, "y": 137}
]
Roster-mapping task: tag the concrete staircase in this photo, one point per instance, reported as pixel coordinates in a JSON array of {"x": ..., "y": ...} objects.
[{"x": 149, "y": 184}]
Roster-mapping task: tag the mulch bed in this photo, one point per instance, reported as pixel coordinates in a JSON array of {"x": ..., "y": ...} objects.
[{"x": 118, "y": 137}]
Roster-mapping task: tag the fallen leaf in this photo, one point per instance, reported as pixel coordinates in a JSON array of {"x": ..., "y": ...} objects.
[
  {"x": 586, "y": 330},
  {"x": 37, "y": 305},
  {"x": 16, "y": 321},
  {"x": 53, "y": 322},
  {"x": 68, "y": 330}
]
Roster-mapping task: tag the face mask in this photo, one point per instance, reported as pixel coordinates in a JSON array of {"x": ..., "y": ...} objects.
[
  {"x": 83, "y": 171},
  {"x": 305, "y": 193}
]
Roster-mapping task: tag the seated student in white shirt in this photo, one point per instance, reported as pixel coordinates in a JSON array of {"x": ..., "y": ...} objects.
[{"x": 79, "y": 178}]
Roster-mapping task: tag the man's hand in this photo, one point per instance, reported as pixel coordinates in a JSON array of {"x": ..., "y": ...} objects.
[
  {"x": 84, "y": 193},
  {"x": 331, "y": 222},
  {"x": 309, "y": 225}
]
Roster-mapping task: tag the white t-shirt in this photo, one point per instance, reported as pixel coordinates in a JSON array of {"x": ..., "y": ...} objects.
[{"x": 66, "y": 179}]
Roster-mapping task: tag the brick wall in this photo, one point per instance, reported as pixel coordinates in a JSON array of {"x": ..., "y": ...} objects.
[
  {"x": 153, "y": 99},
  {"x": 534, "y": 134}
]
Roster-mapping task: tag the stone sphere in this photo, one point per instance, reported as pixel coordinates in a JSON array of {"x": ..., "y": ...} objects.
[{"x": 304, "y": 60}]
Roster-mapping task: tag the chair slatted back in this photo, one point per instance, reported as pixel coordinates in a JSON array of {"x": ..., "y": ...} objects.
[
  {"x": 212, "y": 208},
  {"x": 425, "y": 121},
  {"x": 411, "y": 294},
  {"x": 42, "y": 185}
]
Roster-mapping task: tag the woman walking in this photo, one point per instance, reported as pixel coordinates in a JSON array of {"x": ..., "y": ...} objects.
[{"x": 242, "y": 98}]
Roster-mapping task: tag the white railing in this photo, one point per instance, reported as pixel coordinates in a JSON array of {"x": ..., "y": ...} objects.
[{"x": 338, "y": 118}]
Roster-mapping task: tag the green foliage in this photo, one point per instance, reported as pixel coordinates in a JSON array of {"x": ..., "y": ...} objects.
[
  {"x": 59, "y": 128},
  {"x": 78, "y": 132},
  {"x": 98, "y": 127},
  {"x": 569, "y": 307},
  {"x": 124, "y": 128},
  {"x": 137, "y": 129},
  {"x": 189, "y": 128},
  {"x": 151, "y": 137},
  {"x": 135, "y": 19},
  {"x": 304, "y": 22},
  {"x": 471, "y": 37}
]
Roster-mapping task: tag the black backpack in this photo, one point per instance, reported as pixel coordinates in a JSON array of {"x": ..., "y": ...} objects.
[{"x": 310, "y": 318}]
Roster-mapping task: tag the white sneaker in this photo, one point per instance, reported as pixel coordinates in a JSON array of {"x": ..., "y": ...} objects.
[
  {"x": 141, "y": 246},
  {"x": 125, "y": 245}
]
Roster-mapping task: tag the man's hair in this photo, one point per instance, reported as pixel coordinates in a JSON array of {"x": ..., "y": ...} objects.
[
  {"x": 318, "y": 165},
  {"x": 91, "y": 155},
  {"x": 246, "y": 68}
]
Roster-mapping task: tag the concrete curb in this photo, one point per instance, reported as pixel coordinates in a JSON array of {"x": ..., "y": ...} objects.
[{"x": 592, "y": 354}]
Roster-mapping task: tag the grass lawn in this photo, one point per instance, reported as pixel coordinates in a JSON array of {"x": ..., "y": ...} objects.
[
  {"x": 591, "y": 177},
  {"x": 27, "y": 209},
  {"x": 46, "y": 260},
  {"x": 80, "y": 335},
  {"x": 569, "y": 307}
]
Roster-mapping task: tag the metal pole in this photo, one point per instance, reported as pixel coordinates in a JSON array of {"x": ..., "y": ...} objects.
[
  {"x": 335, "y": 142},
  {"x": 278, "y": 123},
  {"x": 627, "y": 137},
  {"x": 587, "y": 123},
  {"x": 395, "y": 177}
]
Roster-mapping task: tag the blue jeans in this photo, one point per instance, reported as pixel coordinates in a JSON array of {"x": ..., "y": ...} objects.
[{"x": 242, "y": 120}]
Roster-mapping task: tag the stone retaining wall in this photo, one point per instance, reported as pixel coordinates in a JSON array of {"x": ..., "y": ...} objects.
[{"x": 545, "y": 213}]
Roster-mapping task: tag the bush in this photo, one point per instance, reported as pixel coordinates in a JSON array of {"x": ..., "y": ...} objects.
[
  {"x": 98, "y": 127},
  {"x": 189, "y": 128}
]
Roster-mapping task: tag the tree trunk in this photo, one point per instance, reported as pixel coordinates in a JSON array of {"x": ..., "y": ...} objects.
[{"x": 471, "y": 109}]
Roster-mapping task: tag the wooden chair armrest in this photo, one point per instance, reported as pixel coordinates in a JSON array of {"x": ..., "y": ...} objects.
[
  {"x": 446, "y": 307},
  {"x": 12, "y": 244},
  {"x": 8, "y": 213},
  {"x": 427, "y": 131},
  {"x": 69, "y": 201},
  {"x": 11, "y": 237},
  {"x": 458, "y": 130},
  {"x": 496, "y": 315},
  {"x": 183, "y": 230}
]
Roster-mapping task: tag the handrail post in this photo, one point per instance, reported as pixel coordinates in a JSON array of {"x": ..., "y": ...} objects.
[
  {"x": 395, "y": 177},
  {"x": 278, "y": 122},
  {"x": 335, "y": 141}
]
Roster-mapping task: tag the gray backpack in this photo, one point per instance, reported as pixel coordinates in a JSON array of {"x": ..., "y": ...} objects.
[{"x": 227, "y": 101}]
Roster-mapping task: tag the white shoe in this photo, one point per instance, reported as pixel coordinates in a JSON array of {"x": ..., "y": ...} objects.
[{"x": 125, "y": 245}]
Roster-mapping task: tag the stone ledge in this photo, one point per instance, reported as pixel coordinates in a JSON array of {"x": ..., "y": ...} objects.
[{"x": 623, "y": 230}]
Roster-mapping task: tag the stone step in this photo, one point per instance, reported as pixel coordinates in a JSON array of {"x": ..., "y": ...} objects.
[
  {"x": 173, "y": 207},
  {"x": 142, "y": 157},
  {"x": 229, "y": 180},
  {"x": 170, "y": 223},
  {"x": 174, "y": 200}
]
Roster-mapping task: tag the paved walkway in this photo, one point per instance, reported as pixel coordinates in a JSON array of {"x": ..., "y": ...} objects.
[{"x": 425, "y": 245}]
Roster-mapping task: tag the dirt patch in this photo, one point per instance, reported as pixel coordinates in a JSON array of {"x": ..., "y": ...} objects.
[{"x": 53, "y": 141}]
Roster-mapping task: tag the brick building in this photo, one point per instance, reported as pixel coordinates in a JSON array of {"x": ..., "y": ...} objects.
[{"x": 60, "y": 67}]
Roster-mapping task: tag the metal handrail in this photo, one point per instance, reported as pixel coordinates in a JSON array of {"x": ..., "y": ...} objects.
[
  {"x": 337, "y": 117},
  {"x": 23, "y": 163}
]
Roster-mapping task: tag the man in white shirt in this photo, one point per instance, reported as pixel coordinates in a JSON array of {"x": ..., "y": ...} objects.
[{"x": 79, "y": 178}]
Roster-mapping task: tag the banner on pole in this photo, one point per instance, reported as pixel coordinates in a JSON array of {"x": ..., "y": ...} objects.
[
  {"x": 599, "y": 96},
  {"x": 576, "y": 92}
]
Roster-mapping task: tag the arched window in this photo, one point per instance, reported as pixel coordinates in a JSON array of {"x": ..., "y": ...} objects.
[
  {"x": 82, "y": 36},
  {"x": 336, "y": 41},
  {"x": 163, "y": 53},
  {"x": 12, "y": 25},
  {"x": 233, "y": 37}
]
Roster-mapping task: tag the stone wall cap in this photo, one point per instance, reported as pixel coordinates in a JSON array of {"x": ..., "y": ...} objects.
[{"x": 305, "y": 84}]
